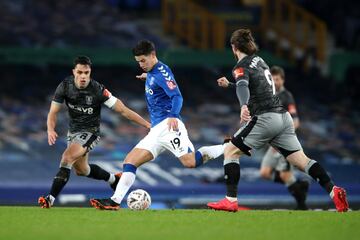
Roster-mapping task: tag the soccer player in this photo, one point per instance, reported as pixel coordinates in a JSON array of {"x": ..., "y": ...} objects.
[
  {"x": 168, "y": 132},
  {"x": 83, "y": 96},
  {"x": 274, "y": 166},
  {"x": 265, "y": 121}
]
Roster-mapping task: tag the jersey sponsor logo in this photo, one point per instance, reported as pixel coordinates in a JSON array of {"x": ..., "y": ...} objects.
[
  {"x": 89, "y": 110},
  {"x": 171, "y": 84},
  {"x": 238, "y": 72},
  {"x": 106, "y": 93},
  {"x": 149, "y": 90},
  {"x": 89, "y": 100}
]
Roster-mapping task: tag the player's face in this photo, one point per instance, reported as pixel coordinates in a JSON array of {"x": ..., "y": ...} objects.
[
  {"x": 146, "y": 62},
  {"x": 278, "y": 81},
  {"x": 82, "y": 75}
]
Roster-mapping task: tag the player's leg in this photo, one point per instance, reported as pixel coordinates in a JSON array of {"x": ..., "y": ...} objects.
[
  {"x": 146, "y": 150},
  {"x": 247, "y": 137},
  {"x": 83, "y": 168},
  {"x": 232, "y": 155},
  {"x": 180, "y": 145},
  {"x": 133, "y": 160},
  {"x": 318, "y": 173},
  {"x": 297, "y": 188},
  {"x": 201, "y": 156},
  {"x": 290, "y": 147},
  {"x": 274, "y": 167},
  {"x": 255, "y": 134},
  {"x": 268, "y": 165},
  {"x": 70, "y": 155}
]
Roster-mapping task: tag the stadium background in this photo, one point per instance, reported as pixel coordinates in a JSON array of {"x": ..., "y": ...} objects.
[{"x": 317, "y": 42}]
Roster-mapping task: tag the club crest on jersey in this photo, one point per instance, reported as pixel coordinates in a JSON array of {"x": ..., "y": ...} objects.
[
  {"x": 89, "y": 100},
  {"x": 238, "y": 72},
  {"x": 171, "y": 84}
]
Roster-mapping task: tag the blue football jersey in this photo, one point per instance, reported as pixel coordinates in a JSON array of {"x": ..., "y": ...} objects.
[{"x": 163, "y": 96}]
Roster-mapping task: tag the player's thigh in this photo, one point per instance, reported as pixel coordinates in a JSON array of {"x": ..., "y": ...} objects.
[
  {"x": 178, "y": 142},
  {"x": 72, "y": 153},
  {"x": 151, "y": 142},
  {"x": 257, "y": 132},
  {"x": 138, "y": 156},
  {"x": 286, "y": 141},
  {"x": 270, "y": 158},
  {"x": 283, "y": 165},
  {"x": 79, "y": 144}
]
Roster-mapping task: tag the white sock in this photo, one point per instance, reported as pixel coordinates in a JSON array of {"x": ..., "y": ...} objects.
[
  {"x": 111, "y": 178},
  {"x": 52, "y": 199},
  {"x": 231, "y": 199},
  {"x": 126, "y": 181},
  {"x": 211, "y": 152}
]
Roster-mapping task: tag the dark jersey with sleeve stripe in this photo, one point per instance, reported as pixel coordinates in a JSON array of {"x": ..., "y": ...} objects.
[
  {"x": 84, "y": 105},
  {"x": 287, "y": 100},
  {"x": 255, "y": 71}
]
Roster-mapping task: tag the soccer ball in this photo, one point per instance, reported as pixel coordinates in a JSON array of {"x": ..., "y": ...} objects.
[{"x": 139, "y": 200}]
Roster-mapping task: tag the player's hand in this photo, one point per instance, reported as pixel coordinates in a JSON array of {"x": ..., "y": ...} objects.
[
  {"x": 52, "y": 135},
  {"x": 173, "y": 124},
  {"x": 223, "y": 82},
  {"x": 142, "y": 77},
  {"x": 245, "y": 114}
]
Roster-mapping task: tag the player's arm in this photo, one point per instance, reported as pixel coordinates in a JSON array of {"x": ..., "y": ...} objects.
[
  {"x": 120, "y": 107},
  {"x": 142, "y": 76},
  {"x": 51, "y": 122},
  {"x": 55, "y": 108},
  {"x": 291, "y": 107},
  {"x": 225, "y": 83},
  {"x": 242, "y": 91},
  {"x": 172, "y": 90}
]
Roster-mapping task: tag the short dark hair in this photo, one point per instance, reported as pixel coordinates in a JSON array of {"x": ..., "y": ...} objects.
[
  {"x": 83, "y": 60},
  {"x": 143, "y": 47},
  {"x": 243, "y": 40},
  {"x": 276, "y": 70}
]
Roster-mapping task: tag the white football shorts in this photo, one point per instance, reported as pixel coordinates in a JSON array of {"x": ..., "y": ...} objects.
[{"x": 160, "y": 139}]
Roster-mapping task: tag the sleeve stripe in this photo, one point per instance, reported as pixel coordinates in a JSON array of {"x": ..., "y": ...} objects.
[
  {"x": 243, "y": 80},
  {"x": 110, "y": 102}
]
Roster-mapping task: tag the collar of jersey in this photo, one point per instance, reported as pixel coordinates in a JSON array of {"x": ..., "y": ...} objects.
[{"x": 155, "y": 67}]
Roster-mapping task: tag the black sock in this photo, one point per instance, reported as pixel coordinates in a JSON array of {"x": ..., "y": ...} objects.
[
  {"x": 299, "y": 193},
  {"x": 98, "y": 173},
  {"x": 232, "y": 177},
  {"x": 317, "y": 172},
  {"x": 277, "y": 177},
  {"x": 61, "y": 178}
]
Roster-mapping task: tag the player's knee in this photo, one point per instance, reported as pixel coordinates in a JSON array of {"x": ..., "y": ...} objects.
[
  {"x": 81, "y": 172},
  {"x": 232, "y": 152},
  {"x": 67, "y": 159},
  {"x": 265, "y": 173},
  {"x": 285, "y": 175},
  {"x": 189, "y": 163}
]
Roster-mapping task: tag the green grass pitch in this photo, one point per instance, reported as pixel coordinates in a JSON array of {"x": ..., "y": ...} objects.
[{"x": 88, "y": 223}]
